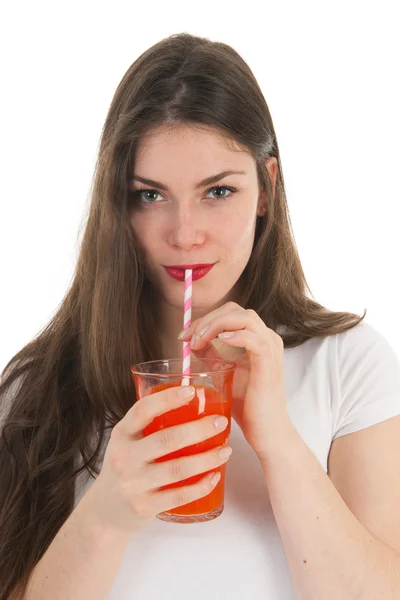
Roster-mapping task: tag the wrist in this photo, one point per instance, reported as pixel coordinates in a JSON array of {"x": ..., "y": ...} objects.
[
  {"x": 94, "y": 526},
  {"x": 280, "y": 440}
]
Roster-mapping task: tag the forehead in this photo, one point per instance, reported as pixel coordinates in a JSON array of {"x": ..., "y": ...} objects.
[{"x": 191, "y": 144}]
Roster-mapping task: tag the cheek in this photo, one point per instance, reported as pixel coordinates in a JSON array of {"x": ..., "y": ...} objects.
[
  {"x": 239, "y": 230},
  {"x": 236, "y": 238},
  {"x": 234, "y": 232},
  {"x": 142, "y": 231}
]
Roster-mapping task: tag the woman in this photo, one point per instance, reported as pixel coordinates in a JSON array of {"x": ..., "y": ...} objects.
[{"x": 313, "y": 481}]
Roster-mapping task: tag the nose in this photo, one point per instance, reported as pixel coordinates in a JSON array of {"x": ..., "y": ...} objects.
[{"x": 187, "y": 227}]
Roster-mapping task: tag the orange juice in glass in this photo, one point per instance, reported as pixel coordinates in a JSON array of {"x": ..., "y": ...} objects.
[{"x": 212, "y": 380}]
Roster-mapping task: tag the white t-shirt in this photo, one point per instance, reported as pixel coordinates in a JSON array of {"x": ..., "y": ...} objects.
[{"x": 334, "y": 386}]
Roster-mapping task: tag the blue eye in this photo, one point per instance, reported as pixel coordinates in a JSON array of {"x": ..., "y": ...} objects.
[
  {"x": 222, "y": 187},
  {"x": 138, "y": 194}
]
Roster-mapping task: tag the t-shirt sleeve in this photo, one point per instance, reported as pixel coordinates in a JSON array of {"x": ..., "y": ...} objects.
[{"x": 368, "y": 372}]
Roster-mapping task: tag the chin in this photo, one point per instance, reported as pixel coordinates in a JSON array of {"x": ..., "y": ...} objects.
[{"x": 201, "y": 300}]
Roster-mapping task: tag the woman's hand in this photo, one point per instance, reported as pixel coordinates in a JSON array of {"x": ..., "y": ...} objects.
[
  {"x": 259, "y": 398},
  {"x": 126, "y": 493}
]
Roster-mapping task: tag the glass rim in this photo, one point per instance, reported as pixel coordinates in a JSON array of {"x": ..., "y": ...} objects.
[{"x": 135, "y": 371}]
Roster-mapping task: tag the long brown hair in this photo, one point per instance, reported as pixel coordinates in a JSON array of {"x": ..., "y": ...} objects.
[{"x": 61, "y": 390}]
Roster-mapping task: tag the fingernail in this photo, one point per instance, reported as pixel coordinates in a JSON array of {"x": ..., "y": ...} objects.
[
  {"x": 220, "y": 422},
  {"x": 182, "y": 334},
  {"x": 215, "y": 478},
  {"x": 186, "y": 391},
  {"x": 226, "y": 334},
  {"x": 193, "y": 341},
  {"x": 225, "y": 452},
  {"x": 203, "y": 331}
]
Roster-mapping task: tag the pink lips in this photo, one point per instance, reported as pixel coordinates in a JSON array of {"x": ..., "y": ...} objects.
[{"x": 198, "y": 271}]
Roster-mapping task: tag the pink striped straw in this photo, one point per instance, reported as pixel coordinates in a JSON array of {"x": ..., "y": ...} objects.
[{"x": 187, "y": 321}]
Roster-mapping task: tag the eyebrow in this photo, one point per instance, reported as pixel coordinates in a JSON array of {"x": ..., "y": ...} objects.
[{"x": 203, "y": 183}]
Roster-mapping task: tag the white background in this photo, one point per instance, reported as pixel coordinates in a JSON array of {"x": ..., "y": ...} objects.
[{"x": 330, "y": 76}]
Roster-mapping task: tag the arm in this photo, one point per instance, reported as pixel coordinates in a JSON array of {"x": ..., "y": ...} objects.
[
  {"x": 82, "y": 561},
  {"x": 331, "y": 554}
]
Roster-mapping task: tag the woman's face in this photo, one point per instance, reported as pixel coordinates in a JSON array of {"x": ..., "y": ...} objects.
[{"x": 184, "y": 224}]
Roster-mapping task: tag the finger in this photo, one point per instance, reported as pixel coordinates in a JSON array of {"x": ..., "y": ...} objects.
[
  {"x": 232, "y": 321},
  {"x": 147, "y": 408},
  {"x": 254, "y": 343},
  {"x": 169, "y": 499},
  {"x": 175, "y": 438},
  {"x": 178, "y": 469},
  {"x": 199, "y": 324}
]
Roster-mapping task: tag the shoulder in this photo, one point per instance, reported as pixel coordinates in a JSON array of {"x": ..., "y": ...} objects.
[
  {"x": 364, "y": 350},
  {"x": 363, "y": 334},
  {"x": 368, "y": 376}
]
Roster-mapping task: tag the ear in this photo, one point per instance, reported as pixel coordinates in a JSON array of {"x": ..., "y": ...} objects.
[{"x": 272, "y": 165}]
